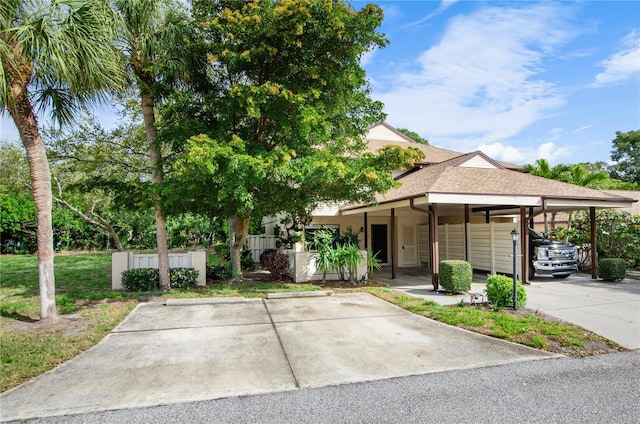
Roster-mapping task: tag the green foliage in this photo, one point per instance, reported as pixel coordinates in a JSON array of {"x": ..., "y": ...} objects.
[
  {"x": 413, "y": 135},
  {"x": 282, "y": 131},
  {"x": 323, "y": 240},
  {"x": 348, "y": 237},
  {"x": 219, "y": 272},
  {"x": 346, "y": 258},
  {"x": 339, "y": 252},
  {"x": 65, "y": 304},
  {"x": 612, "y": 269},
  {"x": 190, "y": 230},
  {"x": 181, "y": 278},
  {"x": 140, "y": 279},
  {"x": 147, "y": 279},
  {"x": 626, "y": 155},
  {"x": 500, "y": 291},
  {"x": 17, "y": 224},
  {"x": 277, "y": 264},
  {"x": 222, "y": 250},
  {"x": 455, "y": 276},
  {"x": 246, "y": 260},
  {"x": 617, "y": 234},
  {"x": 373, "y": 262}
]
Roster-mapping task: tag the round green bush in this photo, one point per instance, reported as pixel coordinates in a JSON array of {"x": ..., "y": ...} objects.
[
  {"x": 500, "y": 291},
  {"x": 140, "y": 279},
  {"x": 147, "y": 279},
  {"x": 455, "y": 276},
  {"x": 612, "y": 269}
]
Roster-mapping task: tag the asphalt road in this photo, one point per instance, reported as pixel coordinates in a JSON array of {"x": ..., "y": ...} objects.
[{"x": 598, "y": 389}]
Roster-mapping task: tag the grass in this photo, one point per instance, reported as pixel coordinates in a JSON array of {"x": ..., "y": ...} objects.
[
  {"x": 525, "y": 327},
  {"x": 90, "y": 309}
]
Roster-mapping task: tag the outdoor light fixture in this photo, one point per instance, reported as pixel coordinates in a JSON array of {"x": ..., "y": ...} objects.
[{"x": 514, "y": 237}]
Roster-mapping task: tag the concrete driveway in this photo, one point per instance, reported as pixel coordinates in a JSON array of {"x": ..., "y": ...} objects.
[
  {"x": 609, "y": 309},
  {"x": 180, "y": 352},
  {"x": 606, "y": 308}
]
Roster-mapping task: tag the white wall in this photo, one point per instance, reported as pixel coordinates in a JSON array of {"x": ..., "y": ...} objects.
[
  {"x": 490, "y": 245},
  {"x": 122, "y": 261}
]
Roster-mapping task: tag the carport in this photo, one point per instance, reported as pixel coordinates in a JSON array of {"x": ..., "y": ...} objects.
[{"x": 471, "y": 188}]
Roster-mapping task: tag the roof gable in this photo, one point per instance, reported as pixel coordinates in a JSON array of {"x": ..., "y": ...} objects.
[
  {"x": 386, "y": 132},
  {"x": 478, "y": 160}
]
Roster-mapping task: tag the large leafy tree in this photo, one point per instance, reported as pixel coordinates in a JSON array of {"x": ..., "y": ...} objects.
[
  {"x": 626, "y": 155},
  {"x": 285, "y": 127},
  {"x": 157, "y": 35},
  {"x": 413, "y": 135},
  {"x": 58, "y": 56}
]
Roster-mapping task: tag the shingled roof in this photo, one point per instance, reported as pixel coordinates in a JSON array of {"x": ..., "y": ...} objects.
[{"x": 473, "y": 177}]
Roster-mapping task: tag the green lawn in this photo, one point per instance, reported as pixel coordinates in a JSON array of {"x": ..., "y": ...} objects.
[{"x": 90, "y": 309}]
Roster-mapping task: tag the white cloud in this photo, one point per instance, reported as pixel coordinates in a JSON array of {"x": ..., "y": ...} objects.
[
  {"x": 623, "y": 64},
  {"x": 444, "y": 5},
  {"x": 481, "y": 81},
  {"x": 504, "y": 153},
  {"x": 521, "y": 155},
  {"x": 551, "y": 152}
]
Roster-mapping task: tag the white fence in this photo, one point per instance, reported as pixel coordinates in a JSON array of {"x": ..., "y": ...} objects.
[
  {"x": 490, "y": 245},
  {"x": 257, "y": 244},
  {"x": 122, "y": 261}
]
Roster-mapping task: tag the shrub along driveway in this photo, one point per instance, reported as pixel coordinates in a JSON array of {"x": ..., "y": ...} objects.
[
  {"x": 189, "y": 350},
  {"x": 609, "y": 309}
]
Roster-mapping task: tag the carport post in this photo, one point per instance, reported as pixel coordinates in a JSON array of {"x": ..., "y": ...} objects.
[
  {"x": 594, "y": 244},
  {"x": 366, "y": 232},
  {"x": 514, "y": 237},
  {"x": 393, "y": 243}
]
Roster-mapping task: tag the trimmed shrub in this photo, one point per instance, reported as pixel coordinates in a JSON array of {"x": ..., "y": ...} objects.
[
  {"x": 181, "y": 278},
  {"x": 219, "y": 272},
  {"x": 455, "y": 276},
  {"x": 246, "y": 261},
  {"x": 140, "y": 279},
  {"x": 277, "y": 264},
  {"x": 500, "y": 291},
  {"x": 612, "y": 269},
  {"x": 147, "y": 279},
  {"x": 264, "y": 253}
]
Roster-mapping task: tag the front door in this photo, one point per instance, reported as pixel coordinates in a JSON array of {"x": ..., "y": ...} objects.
[
  {"x": 408, "y": 246},
  {"x": 379, "y": 242}
]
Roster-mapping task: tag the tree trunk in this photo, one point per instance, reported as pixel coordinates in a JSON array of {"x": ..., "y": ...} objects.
[
  {"x": 22, "y": 113},
  {"x": 238, "y": 232},
  {"x": 155, "y": 155}
]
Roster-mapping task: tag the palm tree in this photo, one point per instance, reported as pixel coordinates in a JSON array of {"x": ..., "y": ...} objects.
[
  {"x": 578, "y": 174},
  {"x": 57, "y": 57},
  {"x": 154, "y": 34},
  {"x": 543, "y": 169}
]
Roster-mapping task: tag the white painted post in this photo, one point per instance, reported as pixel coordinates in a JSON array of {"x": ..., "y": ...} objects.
[
  {"x": 198, "y": 261},
  {"x": 492, "y": 248},
  {"x": 119, "y": 264}
]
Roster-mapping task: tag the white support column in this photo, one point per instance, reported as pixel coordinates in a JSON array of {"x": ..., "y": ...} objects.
[{"x": 119, "y": 264}]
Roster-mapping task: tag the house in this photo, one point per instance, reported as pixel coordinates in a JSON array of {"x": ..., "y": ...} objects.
[{"x": 454, "y": 205}]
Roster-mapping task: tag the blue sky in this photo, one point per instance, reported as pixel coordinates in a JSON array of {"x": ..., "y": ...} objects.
[{"x": 517, "y": 80}]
